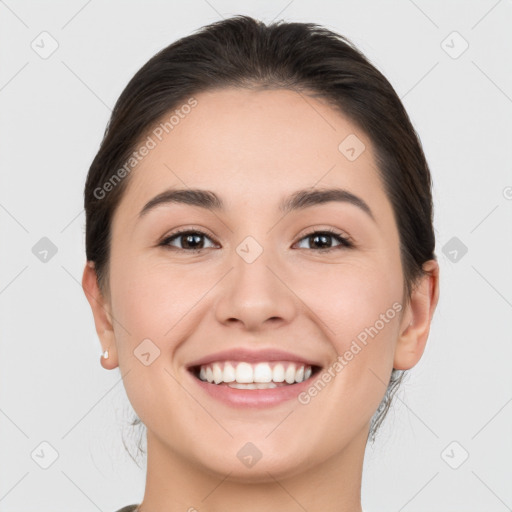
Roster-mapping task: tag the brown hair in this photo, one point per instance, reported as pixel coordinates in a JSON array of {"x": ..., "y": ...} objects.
[{"x": 305, "y": 57}]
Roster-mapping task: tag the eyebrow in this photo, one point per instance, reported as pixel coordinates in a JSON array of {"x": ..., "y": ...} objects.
[{"x": 297, "y": 201}]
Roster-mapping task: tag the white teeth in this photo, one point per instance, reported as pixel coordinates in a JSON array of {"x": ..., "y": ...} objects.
[
  {"x": 237, "y": 385},
  {"x": 244, "y": 373},
  {"x": 266, "y": 385},
  {"x": 289, "y": 375},
  {"x": 264, "y": 375},
  {"x": 278, "y": 373},
  {"x": 217, "y": 373},
  {"x": 262, "y": 385},
  {"x": 229, "y": 373}
]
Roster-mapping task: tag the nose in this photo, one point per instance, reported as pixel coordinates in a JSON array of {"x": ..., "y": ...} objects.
[{"x": 256, "y": 295}]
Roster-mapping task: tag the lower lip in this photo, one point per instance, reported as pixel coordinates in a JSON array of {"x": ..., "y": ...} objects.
[{"x": 256, "y": 398}]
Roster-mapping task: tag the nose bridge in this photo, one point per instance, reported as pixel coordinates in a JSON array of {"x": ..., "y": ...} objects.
[
  {"x": 254, "y": 293},
  {"x": 252, "y": 260}
]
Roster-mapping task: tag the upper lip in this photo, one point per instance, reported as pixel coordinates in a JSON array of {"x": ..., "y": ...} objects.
[{"x": 252, "y": 356}]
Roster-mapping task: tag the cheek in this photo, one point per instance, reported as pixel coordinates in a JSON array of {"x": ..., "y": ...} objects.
[
  {"x": 357, "y": 302},
  {"x": 358, "y": 307},
  {"x": 152, "y": 302},
  {"x": 155, "y": 299}
]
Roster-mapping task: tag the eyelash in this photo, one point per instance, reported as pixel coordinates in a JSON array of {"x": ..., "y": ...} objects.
[{"x": 345, "y": 243}]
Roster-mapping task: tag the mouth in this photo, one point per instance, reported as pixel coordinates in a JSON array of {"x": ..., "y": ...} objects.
[
  {"x": 247, "y": 378},
  {"x": 246, "y": 375}
]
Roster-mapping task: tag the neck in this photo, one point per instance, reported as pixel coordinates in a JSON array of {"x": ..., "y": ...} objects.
[{"x": 177, "y": 485}]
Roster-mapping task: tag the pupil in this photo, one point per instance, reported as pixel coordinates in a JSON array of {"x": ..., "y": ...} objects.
[
  {"x": 323, "y": 238},
  {"x": 188, "y": 238}
]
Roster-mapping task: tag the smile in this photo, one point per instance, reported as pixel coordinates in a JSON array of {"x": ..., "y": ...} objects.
[
  {"x": 262, "y": 375},
  {"x": 253, "y": 379}
]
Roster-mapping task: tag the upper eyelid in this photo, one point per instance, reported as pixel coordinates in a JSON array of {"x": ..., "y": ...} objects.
[
  {"x": 331, "y": 231},
  {"x": 186, "y": 230}
]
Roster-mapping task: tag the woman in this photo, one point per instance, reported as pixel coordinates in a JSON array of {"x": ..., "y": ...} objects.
[{"x": 260, "y": 265}]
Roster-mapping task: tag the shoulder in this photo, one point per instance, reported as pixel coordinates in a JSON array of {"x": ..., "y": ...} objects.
[{"x": 128, "y": 508}]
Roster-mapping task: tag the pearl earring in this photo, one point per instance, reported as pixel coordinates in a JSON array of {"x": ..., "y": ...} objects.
[{"x": 105, "y": 354}]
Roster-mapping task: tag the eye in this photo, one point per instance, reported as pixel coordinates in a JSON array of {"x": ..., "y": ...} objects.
[
  {"x": 193, "y": 240},
  {"x": 324, "y": 238},
  {"x": 190, "y": 240}
]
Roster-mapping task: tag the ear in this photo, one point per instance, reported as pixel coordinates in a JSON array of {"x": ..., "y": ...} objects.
[
  {"x": 415, "y": 324},
  {"x": 101, "y": 311}
]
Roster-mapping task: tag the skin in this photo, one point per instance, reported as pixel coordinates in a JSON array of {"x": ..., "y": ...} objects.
[{"x": 253, "y": 148}]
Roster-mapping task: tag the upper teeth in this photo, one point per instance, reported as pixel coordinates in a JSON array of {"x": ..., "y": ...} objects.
[{"x": 245, "y": 373}]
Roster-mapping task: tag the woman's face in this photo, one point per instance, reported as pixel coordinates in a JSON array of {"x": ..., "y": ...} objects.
[{"x": 262, "y": 281}]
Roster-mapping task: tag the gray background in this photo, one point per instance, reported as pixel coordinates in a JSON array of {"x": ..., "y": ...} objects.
[{"x": 53, "y": 113}]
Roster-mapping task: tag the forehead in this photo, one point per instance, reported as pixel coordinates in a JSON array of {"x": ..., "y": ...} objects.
[{"x": 254, "y": 147}]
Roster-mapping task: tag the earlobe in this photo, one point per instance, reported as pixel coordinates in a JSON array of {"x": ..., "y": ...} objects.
[
  {"x": 100, "y": 307},
  {"x": 417, "y": 319},
  {"x": 109, "y": 358}
]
